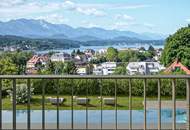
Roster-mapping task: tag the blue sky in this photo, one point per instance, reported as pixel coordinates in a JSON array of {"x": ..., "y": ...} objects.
[{"x": 157, "y": 16}]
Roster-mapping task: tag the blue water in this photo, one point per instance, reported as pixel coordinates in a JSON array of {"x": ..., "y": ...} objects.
[
  {"x": 94, "y": 116},
  {"x": 96, "y": 48}
]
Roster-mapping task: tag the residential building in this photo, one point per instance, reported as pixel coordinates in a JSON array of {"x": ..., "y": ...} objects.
[
  {"x": 144, "y": 68},
  {"x": 35, "y": 62},
  {"x": 106, "y": 68},
  {"x": 80, "y": 59},
  {"x": 176, "y": 66},
  {"x": 61, "y": 57},
  {"x": 89, "y": 52},
  {"x": 158, "y": 54},
  {"x": 101, "y": 51}
]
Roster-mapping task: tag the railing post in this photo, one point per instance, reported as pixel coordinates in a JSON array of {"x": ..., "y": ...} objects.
[
  {"x": 57, "y": 81},
  {"x": 28, "y": 104},
  {"x": 1, "y": 104},
  {"x": 174, "y": 104},
  {"x": 14, "y": 104},
  {"x": 130, "y": 105},
  {"x": 72, "y": 114},
  {"x": 159, "y": 104},
  {"x": 101, "y": 105},
  {"x": 188, "y": 103},
  {"x": 86, "y": 104},
  {"x": 116, "y": 105},
  {"x": 145, "y": 83},
  {"x": 43, "y": 105}
]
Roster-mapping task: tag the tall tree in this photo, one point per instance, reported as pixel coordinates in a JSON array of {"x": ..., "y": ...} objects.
[
  {"x": 70, "y": 68},
  {"x": 112, "y": 54},
  {"x": 177, "y": 47}
]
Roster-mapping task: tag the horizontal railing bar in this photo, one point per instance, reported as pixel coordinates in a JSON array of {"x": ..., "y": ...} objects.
[{"x": 94, "y": 77}]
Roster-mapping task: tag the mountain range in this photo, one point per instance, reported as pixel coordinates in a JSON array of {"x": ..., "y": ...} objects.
[{"x": 42, "y": 29}]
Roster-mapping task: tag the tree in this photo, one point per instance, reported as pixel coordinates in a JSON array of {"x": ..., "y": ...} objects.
[
  {"x": 120, "y": 70},
  {"x": 70, "y": 68},
  {"x": 142, "y": 49},
  {"x": 151, "y": 51},
  {"x": 123, "y": 56},
  {"x": 19, "y": 59},
  {"x": 7, "y": 67},
  {"x": 177, "y": 47},
  {"x": 151, "y": 48},
  {"x": 112, "y": 54}
]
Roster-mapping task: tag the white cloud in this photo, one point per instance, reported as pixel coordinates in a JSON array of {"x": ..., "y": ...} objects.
[
  {"x": 13, "y": 9},
  {"x": 188, "y": 20},
  {"x": 54, "y": 18},
  {"x": 49, "y": 10},
  {"x": 11, "y": 3},
  {"x": 69, "y": 5},
  {"x": 149, "y": 25},
  {"x": 124, "y": 17},
  {"x": 90, "y": 11},
  {"x": 127, "y": 25},
  {"x": 116, "y": 6}
]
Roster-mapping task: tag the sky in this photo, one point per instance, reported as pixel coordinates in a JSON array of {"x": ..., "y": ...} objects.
[{"x": 155, "y": 16}]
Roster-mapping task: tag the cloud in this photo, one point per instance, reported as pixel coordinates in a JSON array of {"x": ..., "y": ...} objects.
[
  {"x": 188, "y": 20},
  {"x": 11, "y": 3},
  {"x": 90, "y": 11},
  {"x": 116, "y": 6},
  {"x": 124, "y": 17},
  {"x": 127, "y": 25},
  {"x": 12, "y": 9},
  {"x": 149, "y": 25},
  {"x": 69, "y": 5},
  {"x": 54, "y": 18}
]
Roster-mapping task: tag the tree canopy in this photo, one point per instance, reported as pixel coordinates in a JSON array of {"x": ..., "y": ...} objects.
[
  {"x": 177, "y": 47},
  {"x": 112, "y": 54}
]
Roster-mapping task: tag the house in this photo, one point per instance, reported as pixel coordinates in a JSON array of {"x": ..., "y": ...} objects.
[
  {"x": 144, "y": 68},
  {"x": 89, "y": 52},
  {"x": 101, "y": 51},
  {"x": 158, "y": 54},
  {"x": 37, "y": 59},
  {"x": 61, "y": 57},
  {"x": 80, "y": 59},
  {"x": 175, "y": 66},
  {"x": 35, "y": 62},
  {"x": 106, "y": 68}
]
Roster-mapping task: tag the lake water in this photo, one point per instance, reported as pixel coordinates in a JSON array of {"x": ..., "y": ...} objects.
[
  {"x": 94, "y": 116},
  {"x": 120, "y": 46}
]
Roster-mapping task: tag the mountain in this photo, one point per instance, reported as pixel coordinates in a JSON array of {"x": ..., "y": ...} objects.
[
  {"x": 86, "y": 38},
  {"x": 154, "y": 35},
  {"x": 41, "y": 29}
]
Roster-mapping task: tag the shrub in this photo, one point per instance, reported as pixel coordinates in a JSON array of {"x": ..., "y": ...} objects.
[{"x": 21, "y": 94}]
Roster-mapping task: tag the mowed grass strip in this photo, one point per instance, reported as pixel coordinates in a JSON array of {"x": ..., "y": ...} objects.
[{"x": 95, "y": 103}]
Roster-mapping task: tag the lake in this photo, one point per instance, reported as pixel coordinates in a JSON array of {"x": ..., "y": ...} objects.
[{"x": 119, "y": 46}]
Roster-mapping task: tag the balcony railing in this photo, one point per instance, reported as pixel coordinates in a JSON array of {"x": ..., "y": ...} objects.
[{"x": 115, "y": 124}]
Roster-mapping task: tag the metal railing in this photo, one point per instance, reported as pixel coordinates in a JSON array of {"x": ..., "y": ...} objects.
[{"x": 173, "y": 79}]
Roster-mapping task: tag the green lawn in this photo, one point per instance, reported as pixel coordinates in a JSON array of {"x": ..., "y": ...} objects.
[{"x": 95, "y": 104}]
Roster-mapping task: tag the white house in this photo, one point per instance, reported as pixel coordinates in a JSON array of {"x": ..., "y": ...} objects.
[
  {"x": 101, "y": 51},
  {"x": 106, "y": 68},
  {"x": 61, "y": 57},
  {"x": 144, "y": 68},
  {"x": 80, "y": 59}
]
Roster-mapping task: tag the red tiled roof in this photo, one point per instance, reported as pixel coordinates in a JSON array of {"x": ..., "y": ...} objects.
[
  {"x": 179, "y": 65},
  {"x": 35, "y": 59}
]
